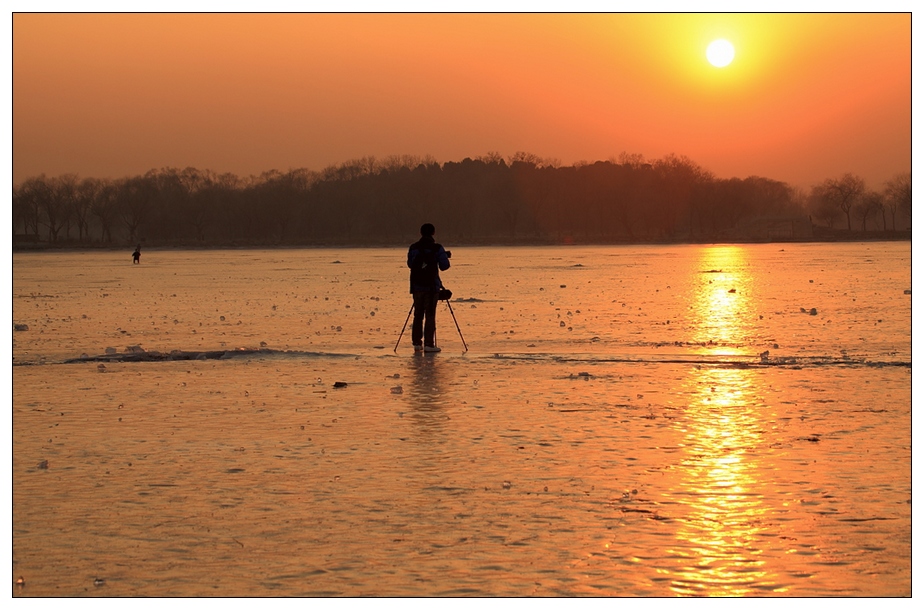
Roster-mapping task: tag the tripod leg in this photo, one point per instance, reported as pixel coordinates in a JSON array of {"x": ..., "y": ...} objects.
[
  {"x": 457, "y": 325},
  {"x": 404, "y": 328}
]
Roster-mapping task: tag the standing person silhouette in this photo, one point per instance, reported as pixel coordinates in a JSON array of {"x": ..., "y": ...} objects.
[
  {"x": 136, "y": 255},
  {"x": 426, "y": 259}
]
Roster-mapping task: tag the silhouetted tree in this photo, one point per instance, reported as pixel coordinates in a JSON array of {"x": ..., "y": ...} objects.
[
  {"x": 49, "y": 204},
  {"x": 677, "y": 178},
  {"x": 65, "y": 194},
  {"x": 898, "y": 195},
  {"x": 87, "y": 191},
  {"x": 133, "y": 203},
  {"x": 491, "y": 157},
  {"x": 485, "y": 199},
  {"x": 27, "y": 203},
  {"x": 822, "y": 206},
  {"x": 845, "y": 192},
  {"x": 870, "y": 204},
  {"x": 105, "y": 208}
]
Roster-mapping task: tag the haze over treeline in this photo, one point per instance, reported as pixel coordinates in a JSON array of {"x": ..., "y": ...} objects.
[{"x": 489, "y": 200}]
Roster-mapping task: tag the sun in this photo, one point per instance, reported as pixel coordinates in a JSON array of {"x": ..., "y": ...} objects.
[{"x": 720, "y": 53}]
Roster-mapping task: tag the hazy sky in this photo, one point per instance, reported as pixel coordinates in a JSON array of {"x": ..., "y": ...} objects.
[{"x": 807, "y": 97}]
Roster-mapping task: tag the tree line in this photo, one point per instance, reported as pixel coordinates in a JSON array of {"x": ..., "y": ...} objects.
[{"x": 521, "y": 199}]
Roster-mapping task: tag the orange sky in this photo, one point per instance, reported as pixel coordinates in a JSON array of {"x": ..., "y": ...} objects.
[{"x": 808, "y": 97}]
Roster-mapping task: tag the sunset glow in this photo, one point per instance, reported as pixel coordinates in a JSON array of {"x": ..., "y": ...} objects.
[{"x": 807, "y": 97}]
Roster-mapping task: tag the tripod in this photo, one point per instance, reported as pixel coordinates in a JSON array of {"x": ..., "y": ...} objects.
[{"x": 451, "y": 312}]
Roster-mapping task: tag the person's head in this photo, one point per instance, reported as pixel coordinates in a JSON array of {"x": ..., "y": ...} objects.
[{"x": 427, "y": 230}]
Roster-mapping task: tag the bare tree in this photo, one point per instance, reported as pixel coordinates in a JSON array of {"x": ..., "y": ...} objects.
[
  {"x": 845, "y": 192},
  {"x": 47, "y": 199},
  {"x": 65, "y": 193},
  {"x": 393, "y": 163},
  {"x": 678, "y": 180},
  {"x": 870, "y": 204},
  {"x": 105, "y": 208},
  {"x": 86, "y": 194},
  {"x": 200, "y": 210},
  {"x": 822, "y": 207},
  {"x": 133, "y": 203},
  {"x": 634, "y": 160},
  {"x": 532, "y": 159},
  {"x": 491, "y": 157},
  {"x": 898, "y": 195},
  {"x": 38, "y": 195},
  {"x": 26, "y": 206}
]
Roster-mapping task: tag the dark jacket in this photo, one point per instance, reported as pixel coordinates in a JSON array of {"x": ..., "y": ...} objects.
[{"x": 419, "y": 254}]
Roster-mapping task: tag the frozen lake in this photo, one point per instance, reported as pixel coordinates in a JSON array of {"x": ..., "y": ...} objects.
[{"x": 627, "y": 421}]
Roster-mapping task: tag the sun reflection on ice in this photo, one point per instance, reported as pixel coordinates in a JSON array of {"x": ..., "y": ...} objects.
[
  {"x": 722, "y": 300},
  {"x": 720, "y": 536}
]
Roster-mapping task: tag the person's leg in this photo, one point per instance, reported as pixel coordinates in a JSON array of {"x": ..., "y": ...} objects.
[
  {"x": 420, "y": 309},
  {"x": 430, "y": 323}
]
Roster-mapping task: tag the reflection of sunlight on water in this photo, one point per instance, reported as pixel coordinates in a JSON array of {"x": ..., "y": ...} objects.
[
  {"x": 719, "y": 540},
  {"x": 720, "y": 537},
  {"x": 719, "y": 302}
]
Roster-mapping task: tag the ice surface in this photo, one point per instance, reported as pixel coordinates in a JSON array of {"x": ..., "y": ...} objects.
[{"x": 622, "y": 424}]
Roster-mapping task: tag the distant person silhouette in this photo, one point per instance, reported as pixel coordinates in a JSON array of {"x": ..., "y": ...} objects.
[
  {"x": 136, "y": 255},
  {"x": 426, "y": 259}
]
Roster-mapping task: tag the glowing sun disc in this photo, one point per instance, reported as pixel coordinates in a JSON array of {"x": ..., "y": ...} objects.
[{"x": 720, "y": 53}]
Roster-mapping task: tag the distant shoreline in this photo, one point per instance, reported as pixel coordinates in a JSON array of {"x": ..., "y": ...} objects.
[{"x": 821, "y": 236}]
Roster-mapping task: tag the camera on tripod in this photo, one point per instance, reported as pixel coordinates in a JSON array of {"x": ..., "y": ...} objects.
[{"x": 445, "y": 294}]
